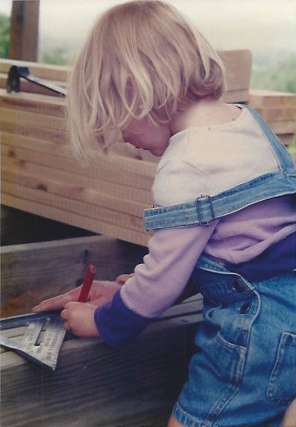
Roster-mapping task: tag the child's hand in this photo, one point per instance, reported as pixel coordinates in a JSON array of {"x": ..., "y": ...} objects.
[
  {"x": 80, "y": 319},
  {"x": 101, "y": 292}
]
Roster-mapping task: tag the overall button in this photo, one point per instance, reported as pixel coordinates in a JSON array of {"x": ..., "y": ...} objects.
[
  {"x": 238, "y": 286},
  {"x": 245, "y": 308}
]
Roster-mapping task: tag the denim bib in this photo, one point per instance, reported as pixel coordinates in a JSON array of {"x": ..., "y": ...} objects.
[{"x": 205, "y": 209}]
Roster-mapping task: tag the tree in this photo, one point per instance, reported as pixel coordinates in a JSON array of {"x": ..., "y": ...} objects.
[{"x": 4, "y": 35}]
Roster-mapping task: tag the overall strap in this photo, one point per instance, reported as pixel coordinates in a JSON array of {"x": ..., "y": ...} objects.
[
  {"x": 206, "y": 209},
  {"x": 283, "y": 157}
]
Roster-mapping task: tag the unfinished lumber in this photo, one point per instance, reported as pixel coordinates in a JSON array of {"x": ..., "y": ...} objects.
[
  {"x": 278, "y": 114},
  {"x": 51, "y": 72},
  {"x": 138, "y": 174},
  {"x": 39, "y": 176},
  {"x": 86, "y": 210},
  {"x": 33, "y": 103},
  {"x": 107, "y": 195},
  {"x": 237, "y": 67},
  {"x": 71, "y": 218},
  {"x": 99, "y": 196},
  {"x": 12, "y": 117},
  {"x": 262, "y": 99}
]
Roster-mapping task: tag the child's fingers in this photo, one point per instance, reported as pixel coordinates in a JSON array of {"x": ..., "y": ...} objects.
[
  {"x": 54, "y": 303},
  {"x": 123, "y": 278},
  {"x": 66, "y": 326}
]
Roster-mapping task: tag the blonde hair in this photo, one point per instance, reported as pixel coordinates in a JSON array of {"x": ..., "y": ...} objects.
[{"x": 141, "y": 58}]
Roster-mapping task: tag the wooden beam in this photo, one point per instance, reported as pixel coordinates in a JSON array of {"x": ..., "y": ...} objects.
[{"x": 24, "y": 30}]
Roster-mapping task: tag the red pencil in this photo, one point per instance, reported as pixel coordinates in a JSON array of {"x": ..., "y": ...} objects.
[{"x": 90, "y": 274}]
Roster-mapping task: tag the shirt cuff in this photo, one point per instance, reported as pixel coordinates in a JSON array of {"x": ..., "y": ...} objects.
[{"x": 117, "y": 324}]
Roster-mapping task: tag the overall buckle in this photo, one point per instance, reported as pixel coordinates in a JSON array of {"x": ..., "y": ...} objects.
[{"x": 205, "y": 199}]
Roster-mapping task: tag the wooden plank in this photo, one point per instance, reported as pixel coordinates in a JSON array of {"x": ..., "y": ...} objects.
[
  {"x": 79, "y": 182},
  {"x": 58, "y": 73},
  {"x": 80, "y": 207},
  {"x": 138, "y": 174},
  {"x": 283, "y": 127},
  {"x": 3, "y": 81},
  {"x": 35, "y": 271},
  {"x": 97, "y": 385},
  {"x": 238, "y": 65},
  {"x": 278, "y": 114},
  {"x": 48, "y": 134},
  {"x": 93, "y": 383},
  {"x": 113, "y": 163},
  {"x": 24, "y": 30},
  {"x": 29, "y": 87},
  {"x": 235, "y": 96},
  {"x": 71, "y": 218},
  {"x": 271, "y": 99},
  {"x": 98, "y": 197},
  {"x": 35, "y": 120},
  {"x": 33, "y": 103},
  {"x": 286, "y": 138}
]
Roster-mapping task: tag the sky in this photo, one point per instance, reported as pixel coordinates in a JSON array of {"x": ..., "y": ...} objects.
[{"x": 228, "y": 24}]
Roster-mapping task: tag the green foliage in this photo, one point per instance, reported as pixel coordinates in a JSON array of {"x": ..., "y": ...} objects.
[
  {"x": 292, "y": 148},
  {"x": 280, "y": 76},
  {"x": 4, "y": 35},
  {"x": 57, "y": 56}
]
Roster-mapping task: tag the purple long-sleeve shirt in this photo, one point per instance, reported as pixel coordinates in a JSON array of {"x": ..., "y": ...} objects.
[
  {"x": 163, "y": 276},
  {"x": 205, "y": 160}
]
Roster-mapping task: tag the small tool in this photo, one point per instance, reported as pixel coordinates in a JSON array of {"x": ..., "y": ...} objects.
[
  {"x": 45, "y": 334},
  {"x": 15, "y": 74},
  {"x": 42, "y": 340}
]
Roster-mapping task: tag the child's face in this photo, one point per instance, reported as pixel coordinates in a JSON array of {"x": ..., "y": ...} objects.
[{"x": 148, "y": 136}]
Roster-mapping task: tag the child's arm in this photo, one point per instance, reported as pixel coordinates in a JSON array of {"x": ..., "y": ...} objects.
[
  {"x": 100, "y": 292},
  {"x": 156, "y": 285},
  {"x": 79, "y": 316}
]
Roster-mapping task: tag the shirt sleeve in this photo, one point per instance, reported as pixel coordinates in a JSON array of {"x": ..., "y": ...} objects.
[{"x": 156, "y": 284}]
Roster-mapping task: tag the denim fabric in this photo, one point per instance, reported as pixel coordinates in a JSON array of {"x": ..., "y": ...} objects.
[
  {"x": 243, "y": 372},
  {"x": 205, "y": 209}
]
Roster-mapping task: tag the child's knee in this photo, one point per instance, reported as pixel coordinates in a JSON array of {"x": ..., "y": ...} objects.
[
  {"x": 174, "y": 423},
  {"x": 290, "y": 416}
]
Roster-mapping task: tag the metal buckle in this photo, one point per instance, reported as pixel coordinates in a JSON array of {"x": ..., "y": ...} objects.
[{"x": 201, "y": 222}]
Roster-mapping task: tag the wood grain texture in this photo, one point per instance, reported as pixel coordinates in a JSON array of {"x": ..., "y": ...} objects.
[
  {"x": 98, "y": 386},
  {"x": 71, "y": 218},
  {"x": 41, "y": 175},
  {"x": 35, "y": 271}
]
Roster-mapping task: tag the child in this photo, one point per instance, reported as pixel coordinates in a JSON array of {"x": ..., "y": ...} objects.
[{"x": 224, "y": 215}]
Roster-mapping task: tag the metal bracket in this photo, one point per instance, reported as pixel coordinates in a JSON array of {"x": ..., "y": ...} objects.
[{"x": 16, "y": 73}]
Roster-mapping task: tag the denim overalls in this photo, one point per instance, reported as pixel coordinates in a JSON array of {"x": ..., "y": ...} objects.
[{"x": 244, "y": 370}]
